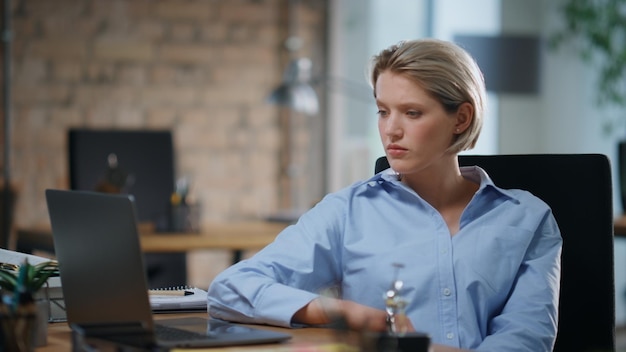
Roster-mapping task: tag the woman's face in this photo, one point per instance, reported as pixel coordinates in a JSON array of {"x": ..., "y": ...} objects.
[{"x": 414, "y": 128}]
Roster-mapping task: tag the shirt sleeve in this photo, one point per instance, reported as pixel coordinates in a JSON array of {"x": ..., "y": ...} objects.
[
  {"x": 528, "y": 320},
  {"x": 276, "y": 282}
]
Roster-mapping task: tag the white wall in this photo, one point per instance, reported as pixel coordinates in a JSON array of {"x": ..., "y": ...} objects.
[
  {"x": 360, "y": 29},
  {"x": 450, "y": 19}
]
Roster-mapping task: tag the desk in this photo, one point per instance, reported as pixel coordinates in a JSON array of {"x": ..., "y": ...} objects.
[
  {"x": 236, "y": 236},
  {"x": 59, "y": 338}
]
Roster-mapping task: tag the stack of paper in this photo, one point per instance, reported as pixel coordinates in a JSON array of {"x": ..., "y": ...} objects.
[{"x": 52, "y": 290}]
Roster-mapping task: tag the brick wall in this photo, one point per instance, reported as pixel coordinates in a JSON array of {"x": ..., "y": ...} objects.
[{"x": 202, "y": 68}]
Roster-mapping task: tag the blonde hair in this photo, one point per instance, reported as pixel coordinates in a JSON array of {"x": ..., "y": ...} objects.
[{"x": 445, "y": 71}]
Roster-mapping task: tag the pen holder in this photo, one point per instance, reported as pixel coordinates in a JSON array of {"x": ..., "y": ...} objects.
[
  {"x": 24, "y": 329},
  {"x": 185, "y": 218}
]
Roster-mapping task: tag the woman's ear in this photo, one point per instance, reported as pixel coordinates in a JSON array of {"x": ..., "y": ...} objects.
[{"x": 464, "y": 117}]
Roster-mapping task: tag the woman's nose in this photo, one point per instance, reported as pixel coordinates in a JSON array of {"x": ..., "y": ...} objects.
[{"x": 392, "y": 126}]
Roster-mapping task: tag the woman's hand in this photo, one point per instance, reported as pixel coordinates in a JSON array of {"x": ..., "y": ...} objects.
[{"x": 357, "y": 316}]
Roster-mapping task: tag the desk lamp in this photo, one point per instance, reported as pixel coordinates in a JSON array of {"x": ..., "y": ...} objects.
[{"x": 297, "y": 94}]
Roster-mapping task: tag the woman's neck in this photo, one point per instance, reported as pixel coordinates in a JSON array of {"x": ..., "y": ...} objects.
[{"x": 442, "y": 186}]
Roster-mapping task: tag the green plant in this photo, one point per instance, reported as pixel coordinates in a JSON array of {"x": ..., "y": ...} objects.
[
  {"x": 20, "y": 284},
  {"x": 31, "y": 277},
  {"x": 599, "y": 28}
]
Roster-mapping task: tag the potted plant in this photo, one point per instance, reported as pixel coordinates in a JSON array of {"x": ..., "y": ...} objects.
[
  {"x": 23, "y": 320},
  {"x": 597, "y": 30}
]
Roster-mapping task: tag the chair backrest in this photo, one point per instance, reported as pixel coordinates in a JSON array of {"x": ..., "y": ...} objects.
[{"x": 578, "y": 188}]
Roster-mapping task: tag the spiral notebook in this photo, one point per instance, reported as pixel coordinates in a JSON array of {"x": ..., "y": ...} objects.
[
  {"x": 104, "y": 282},
  {"x": 178, "y": 299}
]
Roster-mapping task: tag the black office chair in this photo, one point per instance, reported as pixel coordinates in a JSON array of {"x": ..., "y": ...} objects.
[{"x": 578, "y": 189}]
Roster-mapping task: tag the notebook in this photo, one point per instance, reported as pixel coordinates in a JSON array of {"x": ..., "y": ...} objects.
[
  {"x": 178, "y": 299},
  {"x": 104, "y": 283}
]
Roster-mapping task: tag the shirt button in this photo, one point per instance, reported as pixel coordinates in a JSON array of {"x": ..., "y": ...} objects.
[
  {"x": 444, "y": 251},
  {"x": 447, "y": 292},
  {"x": 449, "y": 336}
]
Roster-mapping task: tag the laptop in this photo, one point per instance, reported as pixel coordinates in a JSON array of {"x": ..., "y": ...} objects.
[{"x": 104, "y": 282}]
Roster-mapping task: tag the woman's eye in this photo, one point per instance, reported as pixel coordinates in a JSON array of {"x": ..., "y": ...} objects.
[
  {"x": 382, "y": 113},
  {"x": 413, "y": 113}
]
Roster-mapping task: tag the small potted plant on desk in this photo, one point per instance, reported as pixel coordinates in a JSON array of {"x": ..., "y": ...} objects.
[{"x": 23, "y": 320}]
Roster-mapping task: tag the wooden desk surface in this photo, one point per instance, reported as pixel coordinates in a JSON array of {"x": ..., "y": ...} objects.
[
  {"x": 59, "y": 339},
  {"x": 249, "y": 235}
]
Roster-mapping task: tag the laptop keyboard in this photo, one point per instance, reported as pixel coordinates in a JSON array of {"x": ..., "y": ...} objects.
[{"x": 167, "y": 333}]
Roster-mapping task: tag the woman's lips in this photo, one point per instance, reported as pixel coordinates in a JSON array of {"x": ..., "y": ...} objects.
[{"x": 396, "y": 150}]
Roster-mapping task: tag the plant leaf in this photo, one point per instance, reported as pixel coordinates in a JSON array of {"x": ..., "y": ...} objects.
[
  {"x": 8, "y": 280},
  {"x": 35, "y": 276}
]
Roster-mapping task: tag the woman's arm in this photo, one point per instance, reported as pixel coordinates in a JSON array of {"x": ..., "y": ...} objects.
[
  {"x": 287, "y": 274},
  {"x": 324, "y": 310},
  {"x": 358, "y": 317}
]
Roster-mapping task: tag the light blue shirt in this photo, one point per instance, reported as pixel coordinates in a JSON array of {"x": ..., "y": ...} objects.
[{"x": 493, "y": 286}]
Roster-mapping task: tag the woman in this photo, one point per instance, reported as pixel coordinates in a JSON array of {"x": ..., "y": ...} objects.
[{"x": 480, "y": 264}]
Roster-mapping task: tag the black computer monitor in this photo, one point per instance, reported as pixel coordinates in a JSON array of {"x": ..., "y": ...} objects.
[{"x": 137, "y": 162}]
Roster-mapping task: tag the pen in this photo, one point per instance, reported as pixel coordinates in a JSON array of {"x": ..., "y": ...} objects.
[{"x": 170, "y": 293}]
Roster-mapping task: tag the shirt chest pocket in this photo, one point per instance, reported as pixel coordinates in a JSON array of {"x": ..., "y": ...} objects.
[{"x": 493, "y": 257}]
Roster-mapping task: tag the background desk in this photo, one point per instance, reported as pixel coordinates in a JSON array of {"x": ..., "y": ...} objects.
[
  {"x": 165, "y": 253},
  {"x": 236, "y": 237}
]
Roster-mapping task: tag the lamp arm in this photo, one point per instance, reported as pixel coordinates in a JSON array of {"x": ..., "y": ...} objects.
[{"x": 346, "y": 87}]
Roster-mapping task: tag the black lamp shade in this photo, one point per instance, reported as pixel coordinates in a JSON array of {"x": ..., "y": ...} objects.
[{"x": 295, "y": 91}]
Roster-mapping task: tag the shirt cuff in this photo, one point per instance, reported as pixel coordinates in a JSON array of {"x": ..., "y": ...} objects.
[{"x": 279, "y": 303}]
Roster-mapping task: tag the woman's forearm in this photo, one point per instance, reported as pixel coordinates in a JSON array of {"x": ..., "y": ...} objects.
[{"x": 328, "y": 310}]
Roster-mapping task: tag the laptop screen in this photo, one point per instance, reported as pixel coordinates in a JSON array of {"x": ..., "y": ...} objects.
[
  {"x": 102, "y": 274},
  {"x": 100, "y": 261}
]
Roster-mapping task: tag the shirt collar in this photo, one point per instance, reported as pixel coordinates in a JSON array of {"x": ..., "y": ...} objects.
[
  {"x": 479, "y": 175},
  {"x": 473, "y": 173}
]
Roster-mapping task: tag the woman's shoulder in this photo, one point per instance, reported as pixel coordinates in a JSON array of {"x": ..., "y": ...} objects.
[
  {"x": 520, "y": 196},
  {"x": 356, "y": 191},
  {"x": 372, "y": 184},
  {"x": 528, "y": 198}
]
